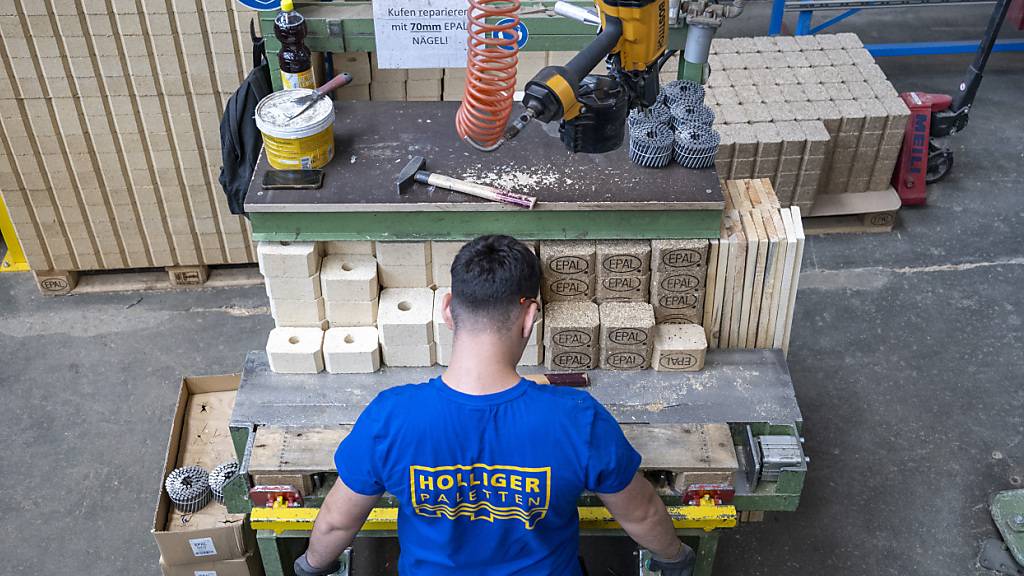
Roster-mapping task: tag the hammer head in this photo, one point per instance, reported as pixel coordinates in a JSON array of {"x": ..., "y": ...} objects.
[{"x": 407, "y": 176}]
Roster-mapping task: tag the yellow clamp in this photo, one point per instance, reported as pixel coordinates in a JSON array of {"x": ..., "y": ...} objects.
[{"x": 706, "y": 516}]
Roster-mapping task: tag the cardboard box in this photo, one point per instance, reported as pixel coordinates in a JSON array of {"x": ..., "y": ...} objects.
[
  {"x": 248, "y": 566},
  {"x": 200, "y": 436}
]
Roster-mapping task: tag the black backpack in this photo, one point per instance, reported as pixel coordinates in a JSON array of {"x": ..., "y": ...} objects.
[{"x": 240, "y": 139}]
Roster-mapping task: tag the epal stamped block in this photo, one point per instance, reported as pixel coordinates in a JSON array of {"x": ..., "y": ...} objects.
[
  {"x": 571, "y": 335},
  {"x": 679, "y": 348}
]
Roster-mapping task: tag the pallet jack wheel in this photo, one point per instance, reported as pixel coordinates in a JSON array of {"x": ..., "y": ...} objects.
[{"x": 940, "y": 162}]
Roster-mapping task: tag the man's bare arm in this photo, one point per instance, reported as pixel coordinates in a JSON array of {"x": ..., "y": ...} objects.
[
  {"x": 642, "y": 514},
  {"x": 341, "y": 516}
]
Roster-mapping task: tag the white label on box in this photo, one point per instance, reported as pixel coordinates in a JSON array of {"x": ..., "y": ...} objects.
[
  {"x": 205, "y": 573},
  {"x": 202, "y": 547},
  {"x": 420, "y": 33}
]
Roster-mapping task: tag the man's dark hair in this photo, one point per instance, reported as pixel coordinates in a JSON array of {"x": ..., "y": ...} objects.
[{"x": 489, "y": 277}]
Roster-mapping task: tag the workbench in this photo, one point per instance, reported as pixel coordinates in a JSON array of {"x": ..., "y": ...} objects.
[
  {"x": 595, "y": 196},
  {"x": 291, "y": 424}
]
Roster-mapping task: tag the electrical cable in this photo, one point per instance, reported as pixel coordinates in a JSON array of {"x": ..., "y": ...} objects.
[
  {"x": 490, "y": 73},
  {"x": 189, "y": 489}
]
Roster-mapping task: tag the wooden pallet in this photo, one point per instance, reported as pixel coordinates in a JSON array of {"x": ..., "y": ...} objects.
[
  {"x": 853, "y": 213},
  {"x": 695, "y": 453},
  {"x": 63, "y": 282}
]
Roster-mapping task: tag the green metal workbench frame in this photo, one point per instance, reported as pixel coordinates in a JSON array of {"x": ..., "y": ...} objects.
[{"x": 348, "y": 27}]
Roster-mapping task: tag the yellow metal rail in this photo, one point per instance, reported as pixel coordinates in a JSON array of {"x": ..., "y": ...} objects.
[
  {"x": 706, "y": 516},
  {"x": 14, "y": 260}
]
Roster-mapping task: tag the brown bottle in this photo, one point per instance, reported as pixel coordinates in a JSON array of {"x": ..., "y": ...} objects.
[{"x": 294, "y": 58}]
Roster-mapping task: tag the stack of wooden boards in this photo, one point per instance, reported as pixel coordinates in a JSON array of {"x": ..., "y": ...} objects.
[
  {"x": 110, "y": 143},
  {"x": 753, "y": 270}
]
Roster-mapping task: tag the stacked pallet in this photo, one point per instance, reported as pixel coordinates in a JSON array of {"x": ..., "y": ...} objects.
[
  {"x": 776, "y": 99},
  {"x": 109, "y": 132},
  {"x": 753, "y": 270}
]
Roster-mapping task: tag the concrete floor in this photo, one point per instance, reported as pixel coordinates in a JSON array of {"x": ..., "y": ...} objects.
[{"x": 907, "y": 358}]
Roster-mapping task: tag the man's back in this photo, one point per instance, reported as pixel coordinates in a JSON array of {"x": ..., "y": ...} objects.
[{"x": 486, "y": 482}]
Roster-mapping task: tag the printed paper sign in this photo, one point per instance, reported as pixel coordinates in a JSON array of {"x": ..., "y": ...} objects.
[
  {"x": 261, "y": 4},
  {"x": 420, "y": 33},
  {"x": 202, "y": 547}
]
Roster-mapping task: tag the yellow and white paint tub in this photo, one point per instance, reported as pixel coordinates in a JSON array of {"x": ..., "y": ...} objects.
[{"x": 307, "y": 142}]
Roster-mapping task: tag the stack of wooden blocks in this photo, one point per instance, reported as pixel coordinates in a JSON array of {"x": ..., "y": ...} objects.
[
  {"x": 753, "y": 270},
  {"x": 351, "y": 306},
  {"x": 623, "y": 305},
  {"x": 814, "y": 114}
]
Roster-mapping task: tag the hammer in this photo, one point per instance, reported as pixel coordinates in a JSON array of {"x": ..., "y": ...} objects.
[{"x": 415, "y": 171}]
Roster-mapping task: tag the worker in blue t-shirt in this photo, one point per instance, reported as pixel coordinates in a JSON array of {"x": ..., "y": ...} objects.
[{"x": 487, "y": 466}]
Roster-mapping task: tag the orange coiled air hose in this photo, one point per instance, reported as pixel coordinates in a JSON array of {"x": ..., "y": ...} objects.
[{"x": 490, "y": 73}]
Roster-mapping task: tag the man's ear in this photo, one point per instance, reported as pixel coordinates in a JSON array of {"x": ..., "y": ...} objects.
[
  {"x": 529, "y": 318},
  {"x": 446, "y": 311}
]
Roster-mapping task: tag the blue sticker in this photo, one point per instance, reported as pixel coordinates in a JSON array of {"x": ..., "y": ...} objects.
[
  {"x": 261, "y": 4},
  {"x": 524, "y": 33}
]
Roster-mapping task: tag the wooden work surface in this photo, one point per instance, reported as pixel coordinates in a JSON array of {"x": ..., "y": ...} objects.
[
  {"x": 671, "y": 447},
  {"x": 736, "y": 386},
  {"x": 375, "y": 140}
]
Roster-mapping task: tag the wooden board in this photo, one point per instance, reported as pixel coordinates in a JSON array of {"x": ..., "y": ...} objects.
[
  {"x": 787, "y": 279},
  {"x": 725, "y": 248},
  {"x": 871, "y": 223},
  {"x": 770, "y": 272},
  {"x": 760, "y": 271},
  {"x": 737, "y": 267},
  {"x": 674, "y": 447},
  {"x": 295, "y": 450},
  {"x": 683, "y": 447},
  {"x": 375, "y": 141},
  {"x": 709, "y": 288},
  {"x": 799, "y": 232},
  {"x": 767, "y": 338},
  {"x": 750, "y": 273}
]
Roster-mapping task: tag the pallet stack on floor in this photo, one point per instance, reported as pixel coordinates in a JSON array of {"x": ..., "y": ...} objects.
[
  {"x": 109, "y": 134},
  {"x": 814, "y": 114},
  {"x": 753, "y": 270}
]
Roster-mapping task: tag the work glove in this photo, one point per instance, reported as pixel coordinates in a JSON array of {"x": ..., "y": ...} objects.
[
  {"x": 682, "y": 565},
  {"x": 303, "y": 568}
]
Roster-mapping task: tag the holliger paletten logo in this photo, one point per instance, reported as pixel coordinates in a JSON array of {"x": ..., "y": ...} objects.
[{"x": 481, "y": 492}]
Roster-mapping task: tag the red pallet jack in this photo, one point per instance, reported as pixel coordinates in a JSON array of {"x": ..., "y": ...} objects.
[{"x": 925, "y": 158}]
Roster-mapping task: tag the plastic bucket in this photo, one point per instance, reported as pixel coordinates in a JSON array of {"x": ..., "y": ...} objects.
[{"x": 307, "y": 142}]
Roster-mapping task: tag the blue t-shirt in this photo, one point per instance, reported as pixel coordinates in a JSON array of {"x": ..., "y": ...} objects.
[{"x": 486, "y": 484}]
